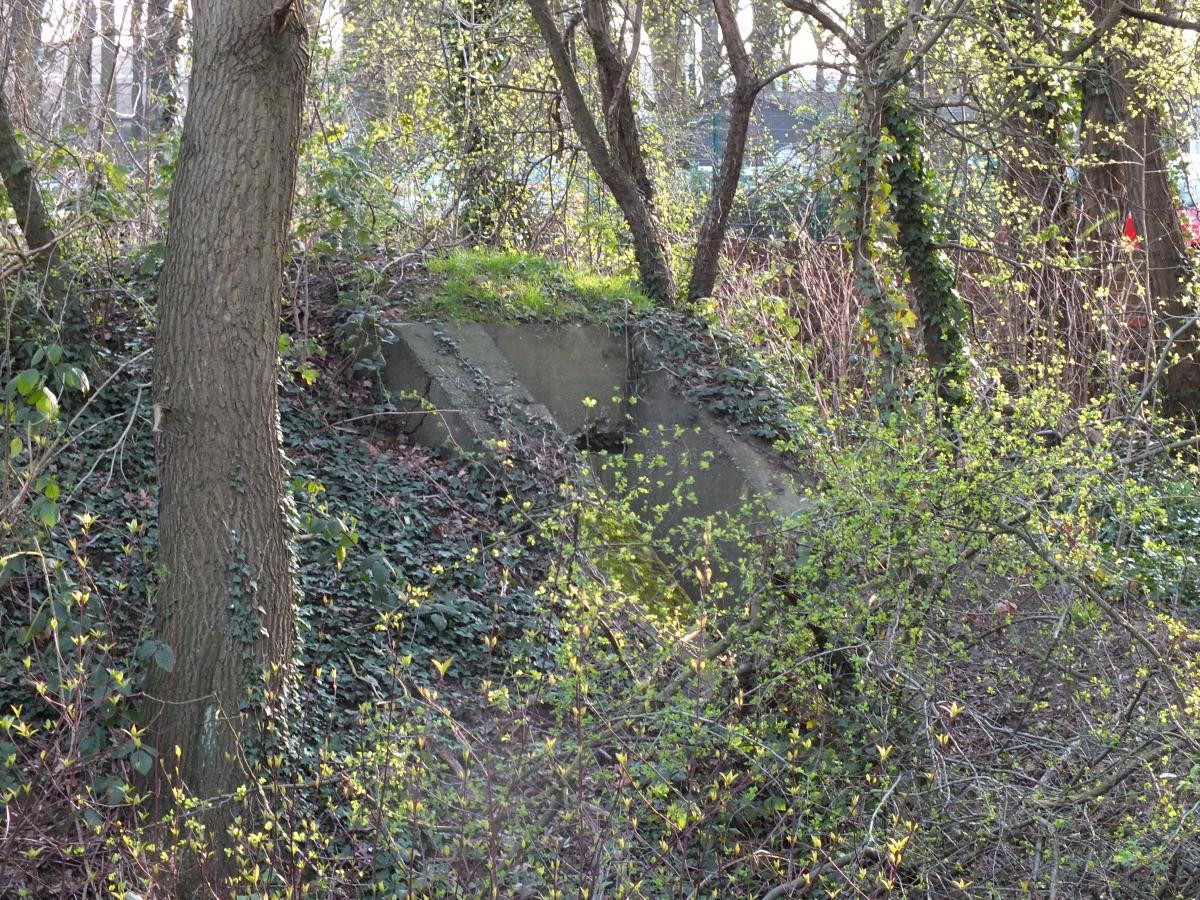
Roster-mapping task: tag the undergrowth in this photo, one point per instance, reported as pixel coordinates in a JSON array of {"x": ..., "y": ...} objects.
[{"x": 964, "y": 666}]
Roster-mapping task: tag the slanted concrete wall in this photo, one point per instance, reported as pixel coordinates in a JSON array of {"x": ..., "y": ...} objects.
[
  {"x": 564, "y": 365},
  {"x": 583, "y": 379},
  {"x": 695, "y": 467},
  {"x": 452, "y": 382}
]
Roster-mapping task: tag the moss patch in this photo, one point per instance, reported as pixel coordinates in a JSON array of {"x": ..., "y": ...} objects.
[{"x": 486, "y": 286}]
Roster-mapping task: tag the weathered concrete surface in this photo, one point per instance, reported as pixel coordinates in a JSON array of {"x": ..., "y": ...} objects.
[
  {"x": 689, "y": 466},
  {"x": 453, "y": 382},
  {"x": 564, "y": 365},
  {"x": 694, "y": 467}
]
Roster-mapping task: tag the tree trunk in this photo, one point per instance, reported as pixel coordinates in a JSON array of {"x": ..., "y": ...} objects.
[
  {"x": 931, "y": 278},
  {"x": 79, "y": 66},
  {"x": 865, "y": 181},
  {"x": 1033, "y": 166},
  {"x": 226, "y": 604},
  {"x": 26, "y": 200},
  {"x": 715, "y": 224},
  {"x": 1126, "y": 174},
  {"x": 137, "y": 69},
  {"x": 620, "y": 167},
  {"x": 616, "y": 95},
  {"x": 22, "y": 83},
  {"x": 710, "y": 58},
  {"x": 164, "y": 29},
  {"x": 110, "y": 39}
]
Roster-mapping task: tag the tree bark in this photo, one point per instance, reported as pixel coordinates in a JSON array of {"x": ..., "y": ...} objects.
[
  {"x": 26, "y": 199},
  {"x": 1032, "y": 165},
  {"x": 79, "y": 66},
  {"x": 620, "y": 166},
  {"x": 137, "y": 68},
  {"x": 164, "y": 29},
  {"x": 1126, "y": 174},
  {"x": 226, "y": 603},
  {"x": 931, "y": 277},
  {"x": 715, "y": 225},
  {"x": 883, "y": 66},
  {"x": 22, "y": 81},
  {"x": 710, "y": 57},
  {"x": 110, "y": 39}
]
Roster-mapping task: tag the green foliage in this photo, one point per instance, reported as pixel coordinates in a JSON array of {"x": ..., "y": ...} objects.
[
  {"x": 886, "y": 314},
  {"x": 1152, "y": 530},
  {"x": 478, "y": 285},
  {"x": 913, "y": 198}
]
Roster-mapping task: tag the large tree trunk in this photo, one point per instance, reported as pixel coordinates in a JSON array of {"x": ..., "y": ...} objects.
[
  {"x": 226, "y": 604},
  {"x": 1126, "y": 174}
]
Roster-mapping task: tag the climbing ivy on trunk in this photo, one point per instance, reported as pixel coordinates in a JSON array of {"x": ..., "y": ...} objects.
[{"x": 939, "y": 306}]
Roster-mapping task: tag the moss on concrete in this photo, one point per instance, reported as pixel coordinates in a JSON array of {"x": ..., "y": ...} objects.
[{"x": 489, "y": 286}]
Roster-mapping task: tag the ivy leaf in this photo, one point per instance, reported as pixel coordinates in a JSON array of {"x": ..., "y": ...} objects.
[
  {"x": 141, "y": 762},
  {"x": 48, "y": 513},
  {"x": 164, "y": 656},
  {"x": 28, "y": 381}
]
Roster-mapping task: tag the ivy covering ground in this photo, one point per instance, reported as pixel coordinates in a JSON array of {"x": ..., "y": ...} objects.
[{"x": 966, "y": 666}]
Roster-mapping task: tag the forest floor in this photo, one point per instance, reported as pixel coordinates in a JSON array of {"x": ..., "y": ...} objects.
[{"x": 928, "y": 684}]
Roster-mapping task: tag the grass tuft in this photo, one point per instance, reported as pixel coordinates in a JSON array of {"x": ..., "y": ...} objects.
[{"x": 490, "y": 286}]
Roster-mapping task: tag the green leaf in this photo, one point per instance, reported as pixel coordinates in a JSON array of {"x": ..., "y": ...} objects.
[
  {"x": 165, "y": 658},
  {"x": 28, "y": 381},
  {"x": 141, "y": 762},
  {"x": 48, "y": 513},
  {"x": 47, "y": 403},
  {"x": 74, "y": 377},
  {"x": 15, "y": 446}
]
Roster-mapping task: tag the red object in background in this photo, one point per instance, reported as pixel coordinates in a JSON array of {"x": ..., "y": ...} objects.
[
  {"x": 1131, "y": 231},
  {"x": 1191, "y": 226}
]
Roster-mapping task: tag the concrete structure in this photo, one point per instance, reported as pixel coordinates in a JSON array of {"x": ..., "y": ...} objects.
[{"x": 689, "y": 473}]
